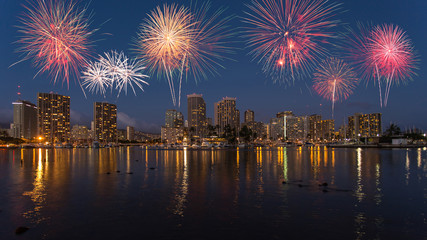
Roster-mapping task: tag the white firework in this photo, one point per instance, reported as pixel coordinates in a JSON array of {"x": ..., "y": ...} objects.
[
  {"x": 117, "y": 71},
  {"x": 96, "y": 78}
]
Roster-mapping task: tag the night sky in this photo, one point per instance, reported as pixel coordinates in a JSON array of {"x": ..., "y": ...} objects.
[{"x": 119, "y": 20}]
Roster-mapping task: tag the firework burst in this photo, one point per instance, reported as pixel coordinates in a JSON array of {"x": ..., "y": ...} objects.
[
  {"x": 96, "y": 78},
  {"x": 335, "y": 80},
  {"x": 177, "y": 42},
  {"x": 115, "y": 70},
  {"x": 56, "y": 37},
  {"x": 393, "y": 55},
  {"x": 383, "y": 53},
  {"x": 288, "y": 36}
]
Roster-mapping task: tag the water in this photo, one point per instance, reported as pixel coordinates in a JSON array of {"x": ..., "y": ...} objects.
[{"x": 214, "y": 194}]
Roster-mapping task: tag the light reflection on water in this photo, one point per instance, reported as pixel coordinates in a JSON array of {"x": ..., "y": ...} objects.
[{"x": 371, "y": 193}]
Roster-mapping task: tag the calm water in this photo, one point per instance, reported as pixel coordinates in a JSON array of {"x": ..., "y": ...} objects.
[{"x": 214, "y": 194}]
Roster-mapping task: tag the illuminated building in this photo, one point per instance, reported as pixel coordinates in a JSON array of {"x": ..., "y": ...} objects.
[
  {"x": 173, "y": 131},
  {"x": 313, "y": 129},
  {"x": 24, "y": 120},
  {"x": 172, "y": 135},
  {"x": 364, "y": 125},
  {"x": 196, "y": 108},
  {"x": 130, "y": 133},
  {"x": 173, "y": 119},
  {"x": 249, "y": 116},
  {"x": 80, "y": 133},
  {"x": 54, "y": 117},
  {"x": 226, "y": 114},
  {"x": 105, "y": 122}
]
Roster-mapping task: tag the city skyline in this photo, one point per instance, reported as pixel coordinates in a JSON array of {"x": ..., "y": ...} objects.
[{"x": 242, "y": 77}]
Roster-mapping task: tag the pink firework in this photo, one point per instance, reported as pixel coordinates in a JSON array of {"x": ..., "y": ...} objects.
[
  {"x": 335, "y": 80},
  {"x": 55, "y": 36},
  {"x": 393, "y": 55},
  {"x": 289, "y": 36}
]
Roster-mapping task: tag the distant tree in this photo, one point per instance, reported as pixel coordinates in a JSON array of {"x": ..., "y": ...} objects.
[
  {"x": 392, "y": 130},
  {"x": 230, "y": 134},
  {"x": 246, "y": 134}
]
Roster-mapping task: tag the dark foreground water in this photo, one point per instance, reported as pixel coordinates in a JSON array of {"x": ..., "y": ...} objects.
[{"x": 214, "y": 194}]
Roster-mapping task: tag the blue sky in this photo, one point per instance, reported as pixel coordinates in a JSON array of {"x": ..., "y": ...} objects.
[{"x": 119, "y": 20}]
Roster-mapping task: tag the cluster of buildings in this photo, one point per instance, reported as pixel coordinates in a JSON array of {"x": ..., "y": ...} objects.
[
  {"x": 49, "y": 121},
  {"x": 285, "y": 126}
]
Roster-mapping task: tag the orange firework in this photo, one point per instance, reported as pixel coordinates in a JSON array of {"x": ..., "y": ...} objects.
[{"x": 176, "y": 42}]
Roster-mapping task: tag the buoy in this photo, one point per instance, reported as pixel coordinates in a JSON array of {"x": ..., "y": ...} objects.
[
  {"x": 130, "y": 172},
  {"x": 21, "y": 230},
  {"x": 283, "y": 182},
  {"x": 152, "y": 168},
  {"x": 108, "y": 173},
  {"x": 117, "y": 171}
]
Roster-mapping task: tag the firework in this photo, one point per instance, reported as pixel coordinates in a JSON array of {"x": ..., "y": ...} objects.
[
  {"x": 335, "y": 80},
  {"x": 96, "y": 78},
  {"x": 115, "y": 71},
  {"x": 288, "y": 36},
  {"x": 382, "y": 53},
  {"x": 56, "y": 37},
  {"x": 393, "y": 55},
  {"x": 176, "y": 42},
  {"x": 163, "y": 39}
]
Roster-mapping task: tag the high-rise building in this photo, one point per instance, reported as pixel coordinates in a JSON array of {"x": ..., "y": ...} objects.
[
  {"x": 326, "y": 130},
  {"x": 249, "y": 116},
  {"x": 314, "y": 129},
  {"x": 130, "y": 132},
  {"x": 196, "y": 107},
  {"x": 80, "y": 133},
  {"x": 24, "y": 120},
  {"x": 364, "y": 125},
  {"x": 105, "y": 122},
  {"x": 226, "y": 114},
  {"x": 173, "y": 118},
  {"x": 54, "y": 117}
]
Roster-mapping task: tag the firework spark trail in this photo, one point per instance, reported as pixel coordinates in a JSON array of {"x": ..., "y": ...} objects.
[
  {"x": 358, "y": 53},
  {"x": 115, "y": 70},
  {"x": 56, "y": 37},
  {"x": 288, "y": 36},
  {"x": 180, "y": 41},
  {"x": 393, "y": 54},
  {"x": 163, "y": 38},
  {"x": 335, "y": 80}
]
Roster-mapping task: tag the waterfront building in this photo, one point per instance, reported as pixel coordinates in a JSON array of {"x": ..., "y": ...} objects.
[
  {"x": 130, "y": 132},
  {"x": 173, "y": 118},
  {"x": 105, "y": 122},
  {"x": 249, "y": 116},
  {"x": 172, "y": 135},
  {"x": 226, "y": 113},
  {"x": 314, "y": 131},
  {"x": 54, "y": 117},
  {"x": 364, "y": 125},
  {"x": 196, "y": 108},
  {"x": 80, "y": 133},
  {"x": 24, "y": 120}
]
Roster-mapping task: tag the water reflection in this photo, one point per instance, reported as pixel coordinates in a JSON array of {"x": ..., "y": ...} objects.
[
  {"x": 38, "y": 193},
  {"x": 212, "y": 187}
]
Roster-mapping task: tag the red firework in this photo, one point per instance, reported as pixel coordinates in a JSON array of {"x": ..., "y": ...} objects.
[
  {"x": 335, "y": 80},
  {"x": 383, "y": 53},
  {"x": 392, "y": 52},
  {"x": 55, "y": 37},
  {"x": 288, "y": 36}
]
